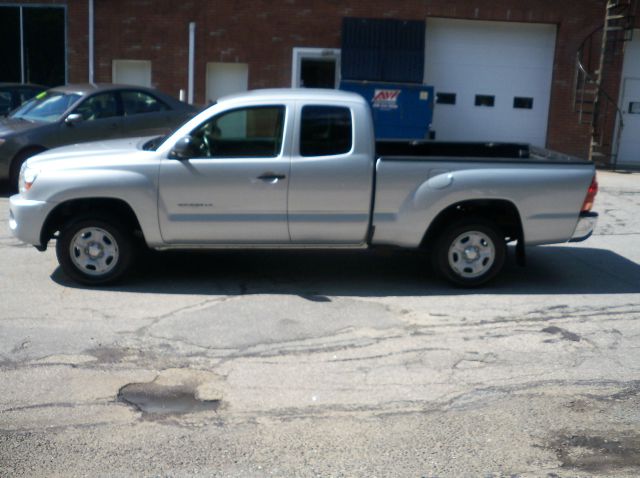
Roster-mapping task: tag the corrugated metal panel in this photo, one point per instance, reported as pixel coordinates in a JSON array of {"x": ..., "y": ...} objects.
[{"x": 383, "y": 50}]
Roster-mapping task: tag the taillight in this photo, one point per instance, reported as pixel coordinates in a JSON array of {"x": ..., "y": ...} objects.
[{"x": 591, "y": 195}]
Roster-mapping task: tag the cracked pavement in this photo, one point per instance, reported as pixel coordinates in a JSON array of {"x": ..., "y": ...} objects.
[{"x": 327, "y": 364}]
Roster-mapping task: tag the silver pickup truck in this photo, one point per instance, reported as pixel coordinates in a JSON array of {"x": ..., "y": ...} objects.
[{"x": 296, "y": 169}]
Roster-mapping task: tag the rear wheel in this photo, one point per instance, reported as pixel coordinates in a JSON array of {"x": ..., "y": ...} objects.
[
  {"x": 470, "y": 252},
  {"x": 94, "y": 251}
]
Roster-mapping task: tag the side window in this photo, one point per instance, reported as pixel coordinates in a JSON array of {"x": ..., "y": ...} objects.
[
  {"x": 139, "y": 102},
  {"x": 97, "y": 107},
  {"x": 242, "y": 133},
  {"x": 325, "y": 131}
]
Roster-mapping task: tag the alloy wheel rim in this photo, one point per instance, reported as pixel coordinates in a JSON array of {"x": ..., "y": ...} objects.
[
  {"x": 94, "y": 251},
  {"x": 471, "y": 254}
]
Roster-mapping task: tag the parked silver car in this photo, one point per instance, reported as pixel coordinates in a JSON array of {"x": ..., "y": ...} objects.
[{"x": 78, "y": 113}]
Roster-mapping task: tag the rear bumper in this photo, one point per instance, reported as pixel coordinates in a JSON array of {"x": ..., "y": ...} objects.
[
  {"x": 26, "y": 218},
  {"x": 586, "y": 224}
]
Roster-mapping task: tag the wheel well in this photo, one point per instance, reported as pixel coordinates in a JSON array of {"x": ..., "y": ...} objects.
[
  {"x": 27, "y": 151},
  {"x": 501, "y": 212},
  {"x": 14, "y": 165},
  {"x": 66, "y": 211}
]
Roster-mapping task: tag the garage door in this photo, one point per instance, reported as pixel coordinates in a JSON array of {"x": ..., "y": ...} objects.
[
  {"x": 629, "y": 150},
  {"x": 492, "y": 79}
]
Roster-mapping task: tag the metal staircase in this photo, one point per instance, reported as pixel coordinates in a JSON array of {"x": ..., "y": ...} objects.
[{"x": 596, "y": 57}]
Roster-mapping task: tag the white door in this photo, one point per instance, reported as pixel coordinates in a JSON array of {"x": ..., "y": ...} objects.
[
  {"x": 629, "y": 151},
  {"x": 132, "y": 72},
  {"x": 629, "y": 148},
  {"x": 226, "y": 79},
  {"x": 492, "y": 79}
]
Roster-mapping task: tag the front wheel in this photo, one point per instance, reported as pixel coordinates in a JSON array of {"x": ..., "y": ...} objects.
[
  {"x": 94, "y": 251},
  {"x": 470, "y": 252}
]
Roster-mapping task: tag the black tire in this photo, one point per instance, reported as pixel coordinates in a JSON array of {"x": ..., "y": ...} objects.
[
  {"x": 16, "y": 164},
  {"x": 470, "y": 252},
  {"x": 107, "y": 253}
]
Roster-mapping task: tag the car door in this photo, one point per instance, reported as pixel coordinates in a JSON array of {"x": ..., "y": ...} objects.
[
  {"x": 101, "y": 118},
  {"x": 233, "y": 187}
]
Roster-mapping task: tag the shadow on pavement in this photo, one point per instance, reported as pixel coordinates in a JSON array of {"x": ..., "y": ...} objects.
[
  {"x": 5, "y": 190},
  {"x": 317, "y": 274}
]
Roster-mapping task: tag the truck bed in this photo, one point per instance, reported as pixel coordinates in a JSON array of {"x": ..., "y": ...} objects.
[{"x": 470, "y": 151}]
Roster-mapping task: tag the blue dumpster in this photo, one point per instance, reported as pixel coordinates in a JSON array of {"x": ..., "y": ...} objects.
[{"x": 400, "y": 110}]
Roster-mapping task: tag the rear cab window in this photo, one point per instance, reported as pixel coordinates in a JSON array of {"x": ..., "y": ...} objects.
[{"x": 325, "y": 131}]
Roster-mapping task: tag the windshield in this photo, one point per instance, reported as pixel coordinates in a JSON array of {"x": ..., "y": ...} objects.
[{"x": 47, "y": 106}]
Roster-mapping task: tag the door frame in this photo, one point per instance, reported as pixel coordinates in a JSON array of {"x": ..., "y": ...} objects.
[
  {"x": 618, "y": 132},
  {"x": 300, "y": 53}
]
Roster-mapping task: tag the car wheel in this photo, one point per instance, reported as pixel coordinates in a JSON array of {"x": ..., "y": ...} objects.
[
  {"x": 94, "y": 251},
  {"x": 16, "y": 164},
  {"x": 470, "y": 252}
]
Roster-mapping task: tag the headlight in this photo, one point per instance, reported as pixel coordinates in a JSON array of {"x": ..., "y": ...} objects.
[
  {"x": 2, "y": 141},
  {"x": 27, "y": 177}
]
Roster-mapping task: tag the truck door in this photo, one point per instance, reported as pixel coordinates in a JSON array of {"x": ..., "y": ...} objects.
[
  {"x": 234, "y": 188},
  {"x": 331, "y": 179}
]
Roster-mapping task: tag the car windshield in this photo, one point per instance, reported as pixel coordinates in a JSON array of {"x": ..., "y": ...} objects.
[{"x": 47, "y": 106}]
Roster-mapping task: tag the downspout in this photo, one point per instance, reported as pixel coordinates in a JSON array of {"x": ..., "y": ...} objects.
[
  {"x": 22, "y": 75},
  {"x": 192, "y": 47},
  {"x": 91, "y": 45}
]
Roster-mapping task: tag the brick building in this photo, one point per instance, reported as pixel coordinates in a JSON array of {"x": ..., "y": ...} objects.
[{"x": 502, "y": 69}]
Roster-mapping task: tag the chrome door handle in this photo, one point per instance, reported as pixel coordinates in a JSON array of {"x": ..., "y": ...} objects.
[{"x": 271, "y": 178}]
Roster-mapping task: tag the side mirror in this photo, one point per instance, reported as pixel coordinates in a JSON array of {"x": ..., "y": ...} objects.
[
  {"x": 73, "y": 118},
  {"x": 185, "y": 148}
]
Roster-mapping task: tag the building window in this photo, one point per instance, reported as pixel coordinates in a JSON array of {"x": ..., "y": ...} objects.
[
  {"x": 446, "y": 98},
  {"x": 634, "y": 107},
  {"x": 325, "y": 131},
  {"x": 485, "y": 100},
  {"x": 32, "y": 44},
  {"x": 523, "y": 103}
]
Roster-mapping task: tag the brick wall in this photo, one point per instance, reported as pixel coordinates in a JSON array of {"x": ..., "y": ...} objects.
[{"x": 263, "y": 33}]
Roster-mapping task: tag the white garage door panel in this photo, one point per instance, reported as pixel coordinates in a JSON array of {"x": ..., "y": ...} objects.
[
  {"x": 629, "y": 150},
  {"x": 226, "y": 79},
  {"x": 505, "y": 60}
]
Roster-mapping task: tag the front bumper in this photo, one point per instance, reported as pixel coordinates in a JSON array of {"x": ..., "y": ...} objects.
[
  {"x": 586, "y": 224},
  {"x": 26, "y": 219}
]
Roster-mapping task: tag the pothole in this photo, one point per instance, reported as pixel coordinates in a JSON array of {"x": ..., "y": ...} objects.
[
  {"x": 598, "y": 453},
  {"x": 174, "y": 392},
  {"x": 154, "y": 399}
]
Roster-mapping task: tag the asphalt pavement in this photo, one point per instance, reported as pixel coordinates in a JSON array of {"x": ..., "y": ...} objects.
[{"x": 327, "y": 364}]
